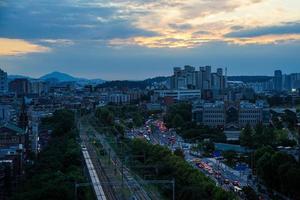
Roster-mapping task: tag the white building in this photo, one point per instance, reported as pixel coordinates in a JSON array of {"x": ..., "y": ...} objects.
[{"x": 178, "y": 94}]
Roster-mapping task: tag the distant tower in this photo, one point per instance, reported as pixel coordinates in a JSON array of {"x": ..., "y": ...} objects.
[
  {"x": 225, "y": 78},
  {"x": 278, "y": 80},
  {"x": 23, "y": 118},
  {"x": 3, "y": 82}
]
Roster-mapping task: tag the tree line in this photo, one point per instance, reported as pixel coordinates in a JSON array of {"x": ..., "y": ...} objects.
[
  {"x": 58, "y": 166},
  {"x": 278, "y": 170},
  {"x": 264, "y": 136},
  {"x": 164, "y": 165}
]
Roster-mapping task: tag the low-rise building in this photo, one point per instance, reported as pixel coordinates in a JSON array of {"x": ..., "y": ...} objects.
[
  {"x": 234, "y": 115},
  {"x": 119, "y": 98},
  {"x": 177, "y": 94}
]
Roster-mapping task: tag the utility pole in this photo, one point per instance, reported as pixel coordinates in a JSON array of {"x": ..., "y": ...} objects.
[
  {"x": 122, "y": 167},
  {"x": 108, "y": 156},
  {"x": 75, "y": 191},
  {"x": 173, "y": 185}
]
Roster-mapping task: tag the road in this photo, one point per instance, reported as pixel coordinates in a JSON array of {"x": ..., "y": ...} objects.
[{"x": 215, "y": 170}]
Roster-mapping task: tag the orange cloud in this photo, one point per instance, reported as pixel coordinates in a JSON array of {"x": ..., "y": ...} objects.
[
  {"x": 13, "y": 47},
  {"x": 190, "y": 23}
]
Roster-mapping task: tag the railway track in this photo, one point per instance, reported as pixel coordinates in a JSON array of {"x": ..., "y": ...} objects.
[
  {"x": 110, "y": 193},
  {"x": 137, "y": 190}
]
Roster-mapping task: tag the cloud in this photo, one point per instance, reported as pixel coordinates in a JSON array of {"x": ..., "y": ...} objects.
[
  {"x": 284, "y": 29},
  {"x": 150, "y": 23},
  {"x": 14, "y": 47},
  {"x": 65, "y": 20}
]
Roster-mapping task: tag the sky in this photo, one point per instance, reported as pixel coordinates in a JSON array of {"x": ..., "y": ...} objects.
[{"x": 137, "y": 39}]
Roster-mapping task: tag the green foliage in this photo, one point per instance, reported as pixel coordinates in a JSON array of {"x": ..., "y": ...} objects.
[
  {"x": 230, "y": 156},
  {"x": 279, "y": 171},
  {"x": 184, "y": 110},
  {"x": 105, "y": 116},
  {"x": 208, "y": 147},
  {"x": 246, "y": 137},
  {"x": 61, "y": 122},
  {"x": 264, "y": 136},
  {"x": 190, "y": 183},
  {"x": 138, "y": 120},
  {"x": 59, "y": 164},
  {"x": 283, "y": 139},
  {"x": 250, "y": 194},
  {"x": 178, "y": 152},
  {"x": 177, "y": 121},
  {"x": 203, "y": 132}
]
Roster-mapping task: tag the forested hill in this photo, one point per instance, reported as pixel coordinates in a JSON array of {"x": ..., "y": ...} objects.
[
  {"x": 148, "y": 82},
  {"x": 132, "y": 84},
  {"x": 249, "y": 79}
]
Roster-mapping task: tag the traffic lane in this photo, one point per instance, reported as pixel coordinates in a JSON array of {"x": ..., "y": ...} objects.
[{"x": 225, "y": 173}]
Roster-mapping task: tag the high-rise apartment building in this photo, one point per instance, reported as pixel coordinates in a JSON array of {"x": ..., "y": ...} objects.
[
  {"x": 278, "y": 80},
  {"x": 20, "y": 86},
  {"x": 204, "y": 79},
  {"x": 3, "y": 82}
]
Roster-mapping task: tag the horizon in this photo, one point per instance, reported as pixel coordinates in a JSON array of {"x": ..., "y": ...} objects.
[{"x": 100, "y": 78}]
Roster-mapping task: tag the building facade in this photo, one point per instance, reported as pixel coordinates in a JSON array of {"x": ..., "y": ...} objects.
[
  {"x": 231, "y": 115},
  {"x": 202, "y": 79},
  {"x": 3, "y": 82},
  {"x": 20, "y": 86},
  {"x": 177, "y": 95}
]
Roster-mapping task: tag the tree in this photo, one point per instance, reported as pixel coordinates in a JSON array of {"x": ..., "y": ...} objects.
[
  {"x": 177, "y": 121},
  {"x": 120, "y": 129},
  {"x": 250, "y": 194},
  {"x": 184, "y": 110},
  {"x": 246, "y": 137},
  {"x": 264, "y": 168},
  {"x": 191, "y": 184},
  {"x": 178, "y": 152},
  {"x": 138, "y": 120},
  {"x": 208, "y": 147},
  {"x": 230, "y": 156},
  {"x": 58, "y": 165},
  {"x": 258, "y": 136}
]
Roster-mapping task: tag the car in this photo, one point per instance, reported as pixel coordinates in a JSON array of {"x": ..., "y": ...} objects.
[
  {"x": 226, "y": 181},
  {"x": 83, "y": 147},
  {"x": 235, "y": 183}
]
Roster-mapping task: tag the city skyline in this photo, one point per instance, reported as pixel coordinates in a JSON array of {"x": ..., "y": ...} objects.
[{"x": 140, "y": 39}]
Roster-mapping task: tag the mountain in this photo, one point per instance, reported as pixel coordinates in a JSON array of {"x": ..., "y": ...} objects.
[
  {"x": 13, "y": 77},
  {"x": 63, "y": 77}
]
